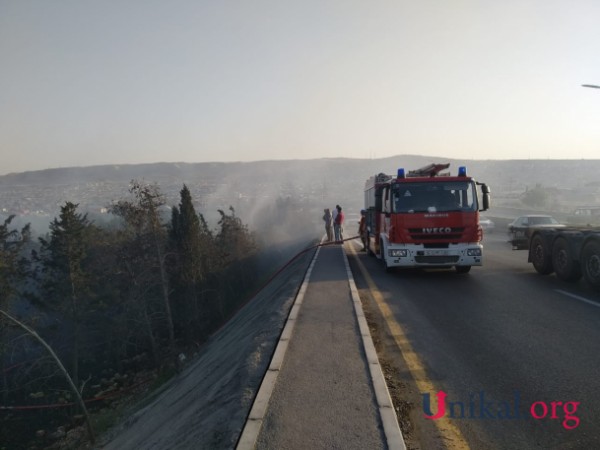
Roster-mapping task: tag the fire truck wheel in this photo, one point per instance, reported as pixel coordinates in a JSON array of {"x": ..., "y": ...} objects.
[
  {"x": 462, "y": 269},
  {"x": 382, "y": 254},
  {"x": 590, "y": 263},
  {"x": 540, "y": 255},
  {"x": 388, "y": 269},
  {"x": 562, "y": 260}
]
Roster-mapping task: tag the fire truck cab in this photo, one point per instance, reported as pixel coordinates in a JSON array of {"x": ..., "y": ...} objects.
[{"x": 426, "y": 218}]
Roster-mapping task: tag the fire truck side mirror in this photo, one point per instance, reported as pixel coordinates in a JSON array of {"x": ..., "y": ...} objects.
[
  {"x": 485, "y": 189},
  {"x": 486, "y": 202}
]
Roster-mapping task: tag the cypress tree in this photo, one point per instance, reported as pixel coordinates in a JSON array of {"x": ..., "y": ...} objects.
[{"x": 189, "y": 271}]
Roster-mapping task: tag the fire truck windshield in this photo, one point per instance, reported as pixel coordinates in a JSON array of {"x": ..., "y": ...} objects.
[{"x": 434, "y": 196}]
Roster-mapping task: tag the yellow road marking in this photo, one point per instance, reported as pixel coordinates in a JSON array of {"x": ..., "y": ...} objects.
[{"x": 452, "y": 436}]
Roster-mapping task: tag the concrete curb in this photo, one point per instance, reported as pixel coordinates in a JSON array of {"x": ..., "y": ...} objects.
[
  {"x": 249, "y": 436},
  {"x": 391, "y": 429}
]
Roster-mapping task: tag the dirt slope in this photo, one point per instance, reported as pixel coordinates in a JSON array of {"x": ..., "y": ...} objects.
[{"x": 206, "y": 405}]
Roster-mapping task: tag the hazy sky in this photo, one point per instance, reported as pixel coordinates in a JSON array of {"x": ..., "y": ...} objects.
[{"x": 130, "y": 81}]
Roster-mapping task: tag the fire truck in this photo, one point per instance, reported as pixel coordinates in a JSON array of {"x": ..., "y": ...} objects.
[{"x": 425, "y": 218}]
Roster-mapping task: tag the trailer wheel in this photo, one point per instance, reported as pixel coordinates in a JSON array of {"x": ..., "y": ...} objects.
[
  {"x": 562, "y": 260},
  {"x": 590, "y": 263},
  {"x": 462, "y": 269},
  {"x": 540, "y": 255}
]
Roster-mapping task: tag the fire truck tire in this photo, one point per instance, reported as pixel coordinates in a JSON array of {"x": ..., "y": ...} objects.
[
  {"x": 370, "y": 251},
  {"x": 462, "y": 269},
  {"x": 590, "y": 263},
  {"x": 541, "y": 256},
  {"x": 382, "y": 254},
  {"x": 565, "y": 267}
]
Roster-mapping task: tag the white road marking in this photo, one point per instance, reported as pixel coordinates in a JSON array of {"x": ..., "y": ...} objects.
[{"x": 577, "y": 297}]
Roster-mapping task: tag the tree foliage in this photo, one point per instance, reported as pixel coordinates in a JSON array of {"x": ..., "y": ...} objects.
[
  {"x": 125, "y": 297},
  {"x": 192, "y": 243},
  {"x": 67, "y": 282},
  {"x": 13, "y": 265},
  {"x": 144, "y": 261},
  {"x": 14, "y": 268}
]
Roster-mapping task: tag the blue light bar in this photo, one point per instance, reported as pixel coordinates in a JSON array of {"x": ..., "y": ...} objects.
[
  {"x": 462, "y": 171},
  {"x": 401, "y": 173}
]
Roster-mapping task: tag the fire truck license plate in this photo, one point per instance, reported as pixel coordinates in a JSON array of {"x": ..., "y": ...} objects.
[{"x": 436, "y": 252}]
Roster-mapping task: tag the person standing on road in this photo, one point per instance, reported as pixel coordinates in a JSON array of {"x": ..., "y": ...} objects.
[
  {"x": 362, "y": 229},
  {"x": 328, "y": 218},
  {"x": 338, "y": 224},
  {"x": 334, "y": 214}
]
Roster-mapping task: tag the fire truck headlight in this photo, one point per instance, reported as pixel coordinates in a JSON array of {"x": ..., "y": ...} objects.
[
  {"x": 398, "y": 253},
  {"x": 474, "y": 252}
]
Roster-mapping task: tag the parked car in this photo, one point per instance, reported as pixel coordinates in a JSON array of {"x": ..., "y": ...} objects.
[
  {"x": 487, "y": 225},
  {"x": 519, "y": 230}
]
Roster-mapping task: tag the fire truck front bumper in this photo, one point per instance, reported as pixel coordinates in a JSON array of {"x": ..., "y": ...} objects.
[{"x": 417, "y": 256}]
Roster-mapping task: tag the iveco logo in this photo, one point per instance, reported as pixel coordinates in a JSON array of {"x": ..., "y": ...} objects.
[{"x": 437, "y": 230}]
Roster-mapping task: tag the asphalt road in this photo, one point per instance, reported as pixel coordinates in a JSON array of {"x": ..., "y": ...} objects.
[{"x": 501, "y": 340}]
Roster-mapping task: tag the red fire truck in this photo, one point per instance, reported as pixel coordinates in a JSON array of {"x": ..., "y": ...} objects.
[{"x": 425, "y": 218}]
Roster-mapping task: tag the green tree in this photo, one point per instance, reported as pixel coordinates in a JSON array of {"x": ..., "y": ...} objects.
[
  {"x": 142, "y": 216},
  {"x": 109, "y": 328},
  {"x": 66, "y": 281},
  {"x": 13, "y": 265},
  {"x": 13, "y": 270},
  {"x": 190, "y": 240},
  {"x": 237, "y": 249},
  {"x": 234, "y": 240},
  {"x": 133, "y": 328}
]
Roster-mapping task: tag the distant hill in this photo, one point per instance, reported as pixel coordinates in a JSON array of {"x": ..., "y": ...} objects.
[
  {"x": 320, "y": 182},
  {"x": 555, "y": 173}
]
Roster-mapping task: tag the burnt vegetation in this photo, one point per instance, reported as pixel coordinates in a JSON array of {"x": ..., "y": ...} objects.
[{"x": 122, "y": 304}]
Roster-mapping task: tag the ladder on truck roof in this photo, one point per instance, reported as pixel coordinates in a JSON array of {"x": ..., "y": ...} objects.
[{"x": 431, "y": 170}]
